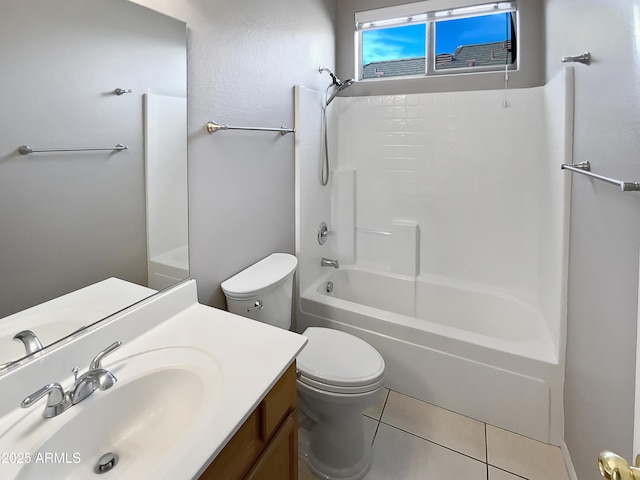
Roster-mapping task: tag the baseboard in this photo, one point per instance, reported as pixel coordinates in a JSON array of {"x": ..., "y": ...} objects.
[{"x": 567, "y": 461}]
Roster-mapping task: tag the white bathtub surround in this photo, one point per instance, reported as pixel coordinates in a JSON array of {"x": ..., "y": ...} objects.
[
  {"x": 343, "y": 214},
  {"x": 311, "y": 198},
  {"x": 169, "y": 267},
  {"x": 405, "y": 247},
  {"x": 166, "y": 189},
  {"x": 478, "y": 325}
]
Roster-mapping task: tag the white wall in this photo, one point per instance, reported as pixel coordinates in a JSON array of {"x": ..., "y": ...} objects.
[
  {"x": 605, "y": 232},
  {"x": 244, "y": 59}
]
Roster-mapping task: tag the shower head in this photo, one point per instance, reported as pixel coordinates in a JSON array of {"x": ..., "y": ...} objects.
[
  {"x": 337, "y": 83},
  {"x": 339, "y": 87},
  {"x": 345, "y": 84}
]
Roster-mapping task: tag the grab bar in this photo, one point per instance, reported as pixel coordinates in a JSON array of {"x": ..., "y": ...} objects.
[
  {"x": 585, "y": 169},
  {"x": 213, "y": 127},
  {"x": 26, "y": 149}
]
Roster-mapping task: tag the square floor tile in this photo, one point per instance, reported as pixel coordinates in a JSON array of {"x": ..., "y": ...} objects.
[
  {"x": 497, "y": 474},
  {"x": 370, "y": 427},
  {"x": 398, "y": 455},
  {"x": 460, "y": 433},
  {"x": 375, "y": 410},
  {"x": 524, "y": 456}
]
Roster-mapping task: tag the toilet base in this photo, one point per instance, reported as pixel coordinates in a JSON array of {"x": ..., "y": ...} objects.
[
  {"x": 303, "y": 454},
  {"x": 335, "y": 450},
  {"x": 320, "y": 473}
]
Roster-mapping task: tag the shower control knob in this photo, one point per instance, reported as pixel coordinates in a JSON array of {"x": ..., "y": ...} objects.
[{"x": 323, "y": 232}]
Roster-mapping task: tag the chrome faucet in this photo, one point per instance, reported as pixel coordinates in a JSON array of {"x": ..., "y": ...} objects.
[
  {"x": 96, "y": 378},
  {"x": 327, "y": 262},
  {"x": 30, "y": 340}
]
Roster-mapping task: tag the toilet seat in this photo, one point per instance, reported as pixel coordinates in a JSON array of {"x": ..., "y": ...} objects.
[{"x": 335, "y": 361}]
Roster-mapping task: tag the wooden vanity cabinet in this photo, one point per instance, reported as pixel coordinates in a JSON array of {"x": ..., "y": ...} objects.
[{"x": 266, "y": 445}]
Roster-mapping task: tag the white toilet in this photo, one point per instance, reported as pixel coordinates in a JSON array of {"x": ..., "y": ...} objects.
[{"x": 339, "y": 375}]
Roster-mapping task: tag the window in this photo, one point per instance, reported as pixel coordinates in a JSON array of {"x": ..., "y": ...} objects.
[{"x": 395, "y": 43}]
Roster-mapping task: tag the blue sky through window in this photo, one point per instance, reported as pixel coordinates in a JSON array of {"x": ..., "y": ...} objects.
[
  {"x": 409, "y": 41},
  {"x": 450, "y": 34}
]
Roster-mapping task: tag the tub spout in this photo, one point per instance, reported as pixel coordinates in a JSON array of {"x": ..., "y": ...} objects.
[{"x": 327, "y": 262}]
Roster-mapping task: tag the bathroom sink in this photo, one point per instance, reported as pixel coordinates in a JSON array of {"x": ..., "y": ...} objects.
[
  {"x": 162, "y": 397},
  {"x": 188, "y": 377}
]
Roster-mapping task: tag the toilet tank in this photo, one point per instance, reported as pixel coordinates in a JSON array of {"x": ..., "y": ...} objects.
[{"x": 264, "y": 290}]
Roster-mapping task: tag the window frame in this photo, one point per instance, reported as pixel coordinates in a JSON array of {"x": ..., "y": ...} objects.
[{"x": 427, "y": 12}]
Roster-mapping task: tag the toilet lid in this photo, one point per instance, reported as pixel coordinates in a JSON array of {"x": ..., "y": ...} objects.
[
  {"x": 333, "y": 358},
  {"x": 266, "y": 273}
]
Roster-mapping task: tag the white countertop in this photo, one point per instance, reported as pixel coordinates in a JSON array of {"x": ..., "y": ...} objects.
[
  {"x": 249, "y": 358},
  {"x": 252, "y": 357}
]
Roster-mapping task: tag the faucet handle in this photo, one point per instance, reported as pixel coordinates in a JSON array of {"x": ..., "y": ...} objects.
[
  {"x": 96, "y": 362},
  {"x": 57, "y": 401},
  {"x": 54, "y": 390}
]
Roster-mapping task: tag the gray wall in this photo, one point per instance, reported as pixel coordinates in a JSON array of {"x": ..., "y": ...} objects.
[
  {"x": 531, "y": 52},
  {"x": 71, "y": 219},
  {"x": 605, "y": 232},
  {"x": 244, "y": 59}
]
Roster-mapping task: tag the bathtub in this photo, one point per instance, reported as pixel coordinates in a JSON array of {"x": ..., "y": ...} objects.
[
  {"x": 483, "y": 353},
  {"x": 168, "y": 268}
]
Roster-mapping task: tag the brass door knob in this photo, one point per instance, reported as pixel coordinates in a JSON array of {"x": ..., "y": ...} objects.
[{"x": 614, "y": 467}]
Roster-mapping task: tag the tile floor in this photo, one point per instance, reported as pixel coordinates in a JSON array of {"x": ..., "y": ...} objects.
[{"x": 413, "y": 440}]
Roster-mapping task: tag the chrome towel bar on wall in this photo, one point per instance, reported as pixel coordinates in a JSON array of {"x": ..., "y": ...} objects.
[
  {"x": 26, "y": 149},
  {"x": 213, "y": 127},
  {"x": 585, "y": 169}
]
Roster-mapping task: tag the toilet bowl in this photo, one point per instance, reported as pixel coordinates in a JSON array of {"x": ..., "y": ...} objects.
[{"x": 339, "y": 375}]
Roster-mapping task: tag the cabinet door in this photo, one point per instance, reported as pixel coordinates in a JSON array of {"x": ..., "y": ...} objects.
[
  {"x": 251, "y": 444},
  {"x": 239, "y": 454},
  {"x": 279, "y": 403},
  {"x": 280, "y": 458}
]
